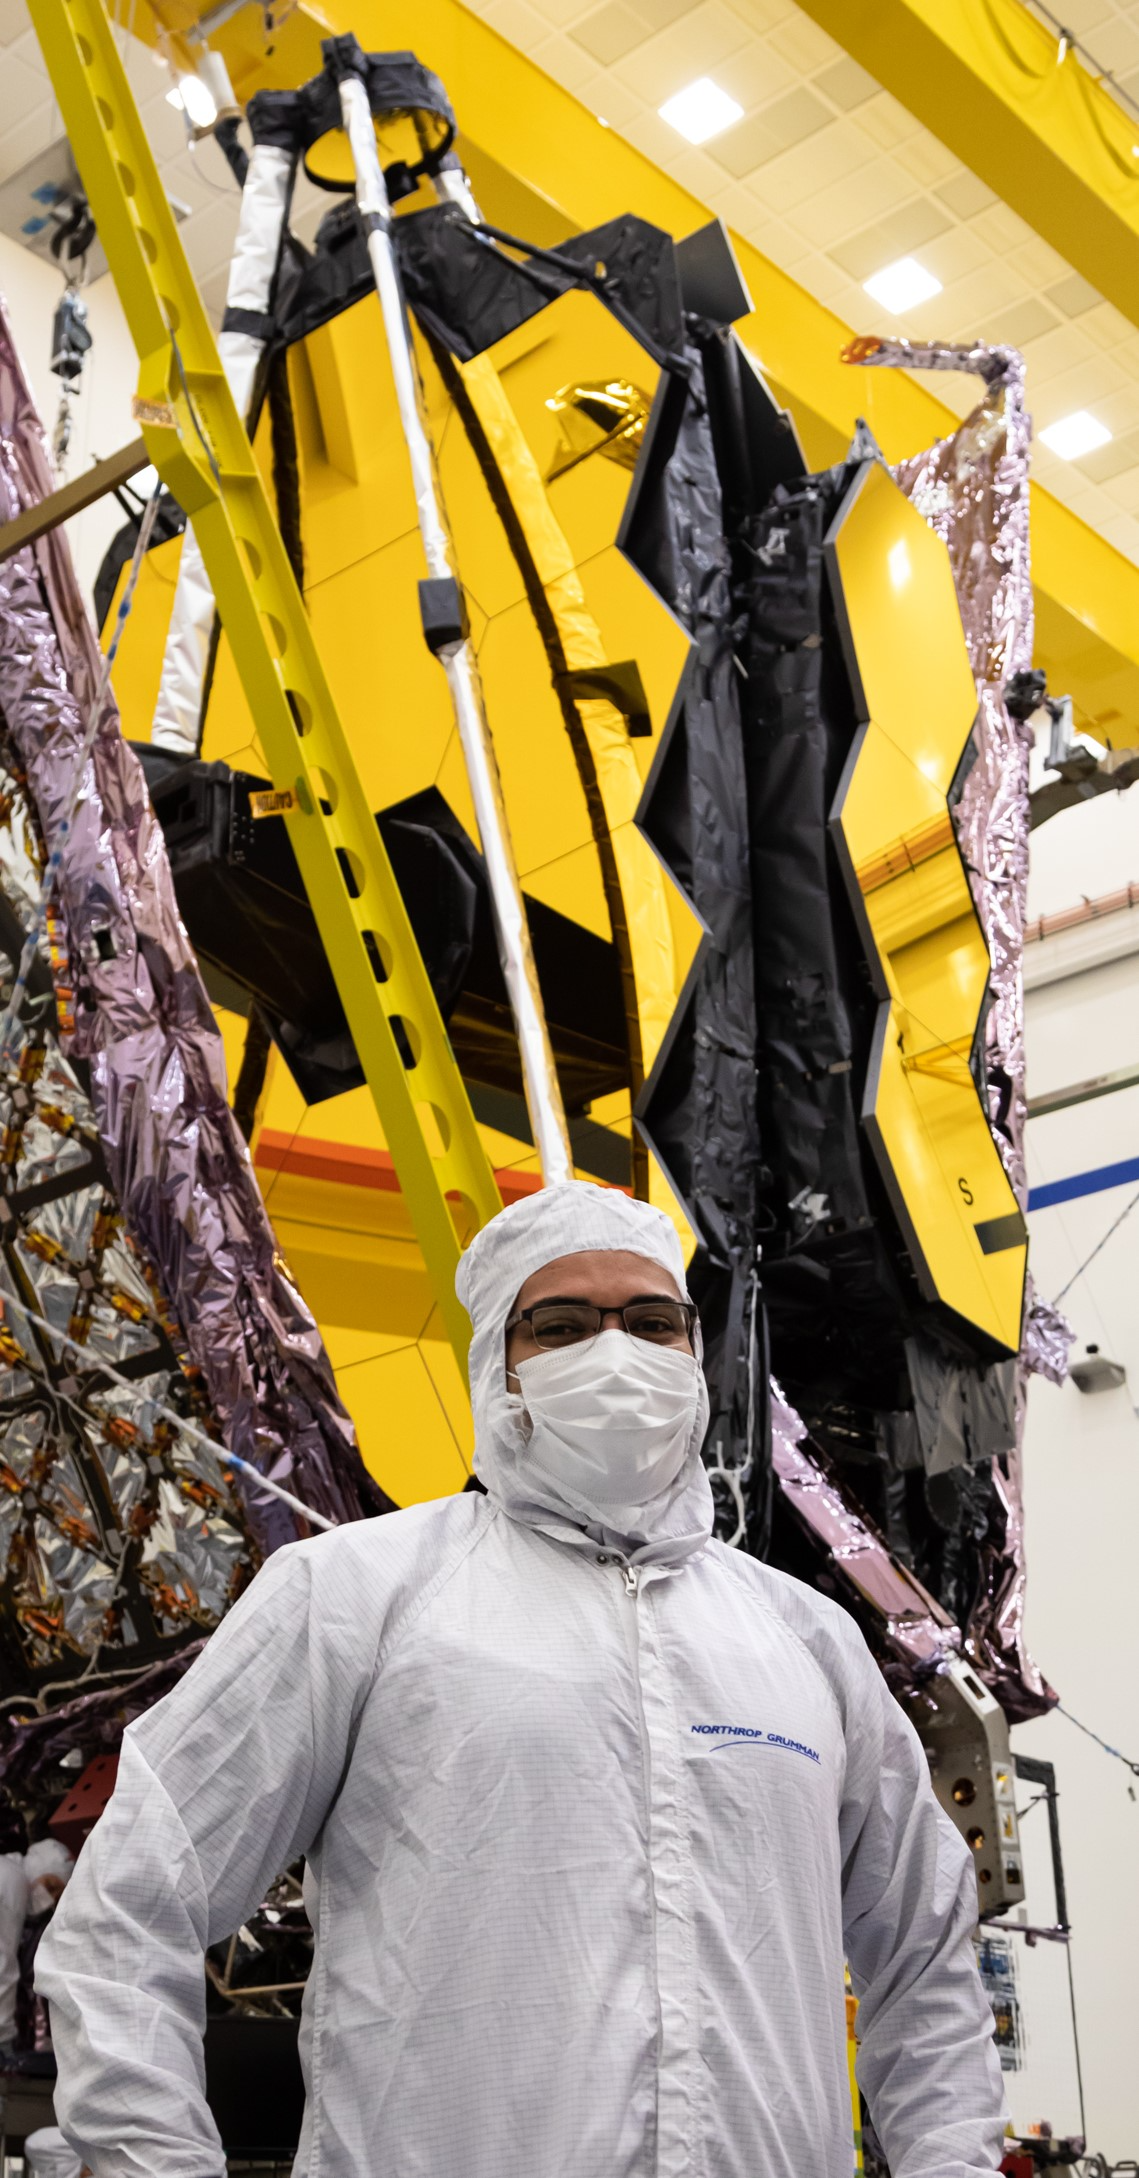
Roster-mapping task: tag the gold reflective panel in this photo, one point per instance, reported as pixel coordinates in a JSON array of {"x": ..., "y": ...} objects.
[
  {"x": 604, "y": 419},
  {"x": 915, "y": 692},
  {"x": 550, "y": 596}
]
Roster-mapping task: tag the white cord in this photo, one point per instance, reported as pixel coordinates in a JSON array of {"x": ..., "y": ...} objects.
[{"x": 189, "y": 1429}]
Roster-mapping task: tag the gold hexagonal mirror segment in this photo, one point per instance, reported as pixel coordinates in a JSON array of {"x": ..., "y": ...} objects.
[{"x": 917, "y": 700}]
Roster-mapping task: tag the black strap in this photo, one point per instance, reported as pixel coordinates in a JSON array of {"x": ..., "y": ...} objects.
[{"x": 258, "y": 324}]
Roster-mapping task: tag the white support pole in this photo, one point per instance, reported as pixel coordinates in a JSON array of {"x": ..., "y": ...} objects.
[{"x": 543, "y": 1095}]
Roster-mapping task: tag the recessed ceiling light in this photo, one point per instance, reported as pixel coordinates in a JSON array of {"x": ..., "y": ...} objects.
[
  {"x": 900, "y": 286},
  {"x": 701, "y": 111},
  {"x": 198, "y": 103},
  {"x": 1076, "y": 435}
]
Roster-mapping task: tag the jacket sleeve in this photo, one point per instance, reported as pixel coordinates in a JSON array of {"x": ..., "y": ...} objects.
[
  {"x": 927, "y": 2064},
  {"x": 220, "y": 1786},
  {"x": 13, "y": 1908}
]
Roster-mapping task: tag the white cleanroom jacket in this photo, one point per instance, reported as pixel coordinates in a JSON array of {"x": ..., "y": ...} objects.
[
  {"x": 584, "y": 1860},
  {"x": 589, "y": 1831},
  {"x": 13, "y": 1912}
]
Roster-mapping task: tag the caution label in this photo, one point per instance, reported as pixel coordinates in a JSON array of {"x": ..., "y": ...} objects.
[
  {"x": 153, "y": 412},
  {"x": 273, "y": 802}
]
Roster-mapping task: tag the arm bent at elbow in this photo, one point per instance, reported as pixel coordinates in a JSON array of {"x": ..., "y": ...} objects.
[
  {"x": 121, "y": 1967},
  {"x": 220, "y": 1786},
  {"x": 927, "y": 2063}
]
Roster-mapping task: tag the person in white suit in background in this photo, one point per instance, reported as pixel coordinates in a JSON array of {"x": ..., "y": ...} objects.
[{"x": 14, "y": 1888}]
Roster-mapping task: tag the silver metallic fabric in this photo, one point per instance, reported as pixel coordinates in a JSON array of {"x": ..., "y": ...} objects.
[
  {"x": 972, "y": 488},
  {"x": 1047, "y": 1338},
  {"x": 113, "y": 1534},
  {"x": 921, "y": 1636},
  {"x": 177, "y": 1165}
]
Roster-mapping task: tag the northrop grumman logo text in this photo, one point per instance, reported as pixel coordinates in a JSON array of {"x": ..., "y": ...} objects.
[{"x": 739, "y": 1735}]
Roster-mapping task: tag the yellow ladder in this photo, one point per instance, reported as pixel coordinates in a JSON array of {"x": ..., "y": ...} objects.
[{"x": 198, "y": 442}]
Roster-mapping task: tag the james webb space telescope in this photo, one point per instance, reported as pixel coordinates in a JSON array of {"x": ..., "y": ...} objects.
[
  {"x": 875, "y": 857},
  {"x": 664, "y": 752}
]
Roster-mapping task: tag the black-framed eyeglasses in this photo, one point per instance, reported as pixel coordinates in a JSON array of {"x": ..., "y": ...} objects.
[{"x": 554, "y": 1324}]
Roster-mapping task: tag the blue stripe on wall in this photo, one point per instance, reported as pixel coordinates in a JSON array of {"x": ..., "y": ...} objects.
[{"x": 1084, "y": 1183}]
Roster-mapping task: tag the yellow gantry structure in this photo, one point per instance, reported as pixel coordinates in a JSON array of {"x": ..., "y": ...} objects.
[
  {"x": 200, "y": 446},
  {"x": 996, "y": 84}
]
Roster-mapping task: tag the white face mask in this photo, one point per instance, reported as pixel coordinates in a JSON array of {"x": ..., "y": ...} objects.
[{"x": 612, "y": 1418}]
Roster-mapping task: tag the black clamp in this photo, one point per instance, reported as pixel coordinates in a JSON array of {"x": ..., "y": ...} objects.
[
  {"x": 1025, "y": 692},
  {"x": 443, "y": 611}
]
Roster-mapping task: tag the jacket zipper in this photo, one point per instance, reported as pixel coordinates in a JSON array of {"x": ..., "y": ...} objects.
[{"x": 631, "y": 1579}]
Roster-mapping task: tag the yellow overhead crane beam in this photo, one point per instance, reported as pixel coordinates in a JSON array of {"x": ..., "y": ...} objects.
[
  {"x": 198, "y": 442},
  {"x": 544, "y": 165},
  {"x": 1011, "y": 101}
]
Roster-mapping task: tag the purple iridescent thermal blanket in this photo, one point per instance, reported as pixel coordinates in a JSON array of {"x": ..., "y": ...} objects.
[
  {"x": 921, "y": 1635},
  {"x": 176, "y": 1158},
  {"x": 972, "y": 488}
]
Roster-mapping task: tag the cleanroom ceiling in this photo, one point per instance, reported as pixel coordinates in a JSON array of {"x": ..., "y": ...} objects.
[{"x": 824, "y": 173}]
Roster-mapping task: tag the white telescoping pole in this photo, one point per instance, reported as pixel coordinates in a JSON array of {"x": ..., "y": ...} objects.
[{"x": 453, "y": 646}]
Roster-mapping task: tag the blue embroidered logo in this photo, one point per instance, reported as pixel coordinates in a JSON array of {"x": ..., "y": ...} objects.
[{"x": 743, "y": 1735}]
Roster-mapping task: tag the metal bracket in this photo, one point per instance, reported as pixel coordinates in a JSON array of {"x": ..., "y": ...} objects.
[{"x": 82, "y": 491}]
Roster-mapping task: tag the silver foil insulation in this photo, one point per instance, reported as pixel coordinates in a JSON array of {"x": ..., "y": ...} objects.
[
  {"x": 177, "y": 1167},
  {"x": 972, "y": 488}
]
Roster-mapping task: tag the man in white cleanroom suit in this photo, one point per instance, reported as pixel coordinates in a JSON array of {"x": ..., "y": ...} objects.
[{"x": 593, "y": 1808}]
